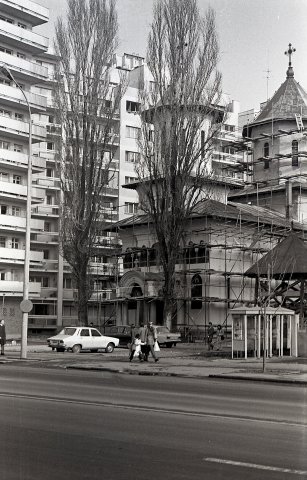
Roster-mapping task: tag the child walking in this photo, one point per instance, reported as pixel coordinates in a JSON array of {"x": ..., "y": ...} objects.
[{"x": 136, "y": 348}]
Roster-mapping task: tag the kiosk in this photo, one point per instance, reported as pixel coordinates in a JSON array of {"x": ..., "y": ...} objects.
[{"x": 250, "y": 325}]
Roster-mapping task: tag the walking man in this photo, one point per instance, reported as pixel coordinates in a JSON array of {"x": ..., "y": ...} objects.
[
  {"x": 151, "y": 338},
  {"x": 2, "y": 336}
]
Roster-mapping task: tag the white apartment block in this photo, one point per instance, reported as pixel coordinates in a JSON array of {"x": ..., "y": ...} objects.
[{"x": 19, "y": 48}]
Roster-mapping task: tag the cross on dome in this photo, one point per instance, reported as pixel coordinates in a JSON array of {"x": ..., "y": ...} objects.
[{"x": 289, "y": 52}]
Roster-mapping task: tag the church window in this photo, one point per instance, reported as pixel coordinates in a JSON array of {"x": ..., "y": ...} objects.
[
  {"x": 196, "y": 292},
  {"x": 266, "y": 153},
  {"x": 295, "y": 153}
]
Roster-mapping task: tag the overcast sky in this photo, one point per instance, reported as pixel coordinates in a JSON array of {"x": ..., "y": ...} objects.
[{"x": 254, "y": 35}]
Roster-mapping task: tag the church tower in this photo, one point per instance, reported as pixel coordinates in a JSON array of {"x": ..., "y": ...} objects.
[{"x": 279, "y": 145}]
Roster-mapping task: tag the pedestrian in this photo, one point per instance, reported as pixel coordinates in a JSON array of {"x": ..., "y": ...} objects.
[
  {"x": 136, "y": 348},
  {"x": 151, "y": 338},
  {"x": 144, "y": 346},
  {"x": 219, "y": 337},
  {"x": 2, "y": 336},
  {"x": 210, "y": 334}
]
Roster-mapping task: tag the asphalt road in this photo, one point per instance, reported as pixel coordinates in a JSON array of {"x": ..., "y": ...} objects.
[{"x": 91, "y": 425}]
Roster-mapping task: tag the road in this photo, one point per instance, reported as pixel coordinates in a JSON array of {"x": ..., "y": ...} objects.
[{"x": 91, "y": 425}]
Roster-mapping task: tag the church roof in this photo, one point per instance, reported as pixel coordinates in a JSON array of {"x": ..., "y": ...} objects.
[
  {"x": 288, "y": 260},
  {"x": 290, "y": 99},
  {"x": 215, "y": 209}
]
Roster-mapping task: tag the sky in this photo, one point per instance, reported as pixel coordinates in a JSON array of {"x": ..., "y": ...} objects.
[{"x": 253, "y": 36}]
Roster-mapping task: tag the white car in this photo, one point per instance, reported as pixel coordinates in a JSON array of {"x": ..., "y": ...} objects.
[{"x": 76, "y": 339}]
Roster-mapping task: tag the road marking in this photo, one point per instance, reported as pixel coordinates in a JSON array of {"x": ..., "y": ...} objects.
[
  {"x": 256, "y": 466},
  {"x": 151, "y": 409}
]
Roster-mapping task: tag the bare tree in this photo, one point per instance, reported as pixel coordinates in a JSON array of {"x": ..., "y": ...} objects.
[
  {"x": 86, "y": 102},
  {"x": 180, "y": 117}
]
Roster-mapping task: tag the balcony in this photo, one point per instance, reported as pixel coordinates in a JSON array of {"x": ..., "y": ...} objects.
[
  {"x": 31, "y": 41},
  {"x": 46, "y": 266},
  {"x": 47, "y": 182},
  {"x": 26, "y": 10},
  {"x": 12, "y": 96},
  {"x": 102, "y": 269},
  {"x": 17, "y": 255},
  {"x": 24, "y": 70},
  {"x": 20, "y": 160},
  {"x": 46, "y": 210},
  {"x": 45, "y": 239},
  {"x": 15, "y": 289},
  {"x": 42, "y": 321},
  {"x": 17, "y": 128},
  {"x": 11, "y": 222},
  {"x": 13, "y": 190}
]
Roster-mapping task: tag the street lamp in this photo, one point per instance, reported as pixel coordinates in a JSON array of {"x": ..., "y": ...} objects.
[{"x": 26, "y": 304}]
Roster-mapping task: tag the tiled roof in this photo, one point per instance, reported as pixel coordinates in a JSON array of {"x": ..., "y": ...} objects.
[
  {"x": 288, "y": 100},
  {"x": 285, "y": 261},
  {"x": 230, "y": 211}
]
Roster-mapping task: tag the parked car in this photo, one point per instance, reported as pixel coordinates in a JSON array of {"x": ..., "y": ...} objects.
[
  {"x": 165, "y": 336},
  {"x": 76, "y": 339}
]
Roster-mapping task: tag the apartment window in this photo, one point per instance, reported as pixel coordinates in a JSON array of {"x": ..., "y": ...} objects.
[
  {"x": 229, "y": 128},
  {"x": 49, "y": 172},
  {"x": 132, "y": 132},
  {"x": 4, "y": 177},
  {"x": 4, "y": 145},
  {"x": 46, "y": 254},
  {"x": 202, "y": 144},
  {"x": 39, "y": 62},
  {"x": 51, "y": 119},
  {"x": 4, "y": 81},
  {"x": 133, "y": 157},
  {"x": 46, "y": 227},
  {"x": 2, "y": 242},
  {"x": 45, "y": 282},
  {"x": 131, "y": 207},
  {"x": 3, "y": 209},
  {"x": 67, "y": 283},
  {"x": 6, "y": 50},
  {"x": 18, "y": 116},
  {"x": 17, "y": 148},
  {"x": 130, "y": 179},
  {"x": 132, "y": 107},
  {"x": 17, "y": 179},
  {"x": 5, "y": 19},
  {"x": 49, "y": 199},
  {"x": 22, "y": 25},
  {"x": 2, "y": 275},
  {"x": 15, "y": 242},
  {"x": 50, "y": 146},
  {"x": 5, "y": 113},
  {"x": 16, "y": 212},
  {"x": 21, "y": 55},
  {"x": 295, "y": 153}
]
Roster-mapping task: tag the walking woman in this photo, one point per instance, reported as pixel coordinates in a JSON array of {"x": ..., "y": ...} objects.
[
  {"x": 151, "y": 338},
  {"x": 2, "y": 336}
]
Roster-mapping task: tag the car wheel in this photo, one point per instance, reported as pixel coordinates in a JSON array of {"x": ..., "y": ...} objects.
[
  {"x": 76, "y": 348},
  {"x": 109, "y": 348}
]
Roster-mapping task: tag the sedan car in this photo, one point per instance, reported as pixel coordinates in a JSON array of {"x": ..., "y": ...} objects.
[
  {"x": 164, "y": 335},
  {"x": 76, "y": 339}
]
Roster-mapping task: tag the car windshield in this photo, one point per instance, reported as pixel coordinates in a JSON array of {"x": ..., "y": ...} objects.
[{"x": 68, "y": 331}]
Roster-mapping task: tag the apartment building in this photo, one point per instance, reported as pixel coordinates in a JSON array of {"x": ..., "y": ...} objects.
[{"x": 19, "y": 48}]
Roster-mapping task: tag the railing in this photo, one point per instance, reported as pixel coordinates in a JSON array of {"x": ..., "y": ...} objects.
[{"x": 38, "y": 42}]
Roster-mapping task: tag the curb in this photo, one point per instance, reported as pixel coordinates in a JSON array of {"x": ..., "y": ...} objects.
[{"x": 260, "y": 379}]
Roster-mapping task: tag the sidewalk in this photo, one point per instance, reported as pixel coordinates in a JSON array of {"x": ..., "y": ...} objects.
[{"x": 186, "y": 360}]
